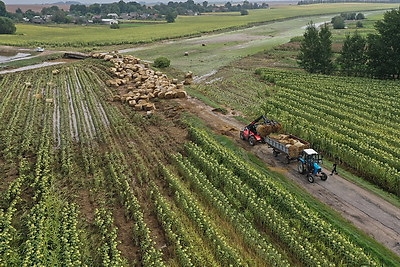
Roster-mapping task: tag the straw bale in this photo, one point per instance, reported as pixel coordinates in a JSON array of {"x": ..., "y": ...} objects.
[
  {"x": 181, "y": 94},
  {"x": 132, "y": 103},
  {"x": 49, "y": 100},
  {"x": 188, "y": 81},
  {"x": 169, "y": 95},
  {"x": 149, "y": 106},
  {"x": 138, "y": 107},
  {"x": 38, "y": 96},
  {"x": 54, "y": 72}
]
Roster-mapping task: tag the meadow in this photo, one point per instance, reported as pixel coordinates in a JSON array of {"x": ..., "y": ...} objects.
[{"x": 100, "y": 35}]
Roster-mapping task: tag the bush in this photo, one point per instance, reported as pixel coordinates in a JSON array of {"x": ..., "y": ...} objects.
[
  {"x": 7, "y": 26},
  {"x": 338, "y": 22},
  {"x": 244, "y": 12},
  {"x": 161, "y": 62},
  {"x": 359, "y": 24},
  {"x": 114, "y": 26}
]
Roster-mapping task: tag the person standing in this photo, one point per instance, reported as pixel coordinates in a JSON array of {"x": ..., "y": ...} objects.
[{"x": 334, "y": 171}]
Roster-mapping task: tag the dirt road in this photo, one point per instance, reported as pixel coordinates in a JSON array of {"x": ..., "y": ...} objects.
[{"x": 370, "y": 213}]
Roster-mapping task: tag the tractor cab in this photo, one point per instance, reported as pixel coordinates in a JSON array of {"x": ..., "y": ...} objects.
[
  {"x": 310, "y": 156},
  {"x": 309, "y": 161}
]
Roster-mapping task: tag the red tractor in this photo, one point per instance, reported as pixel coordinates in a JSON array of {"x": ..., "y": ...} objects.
[{"x": 267, "y": 126}]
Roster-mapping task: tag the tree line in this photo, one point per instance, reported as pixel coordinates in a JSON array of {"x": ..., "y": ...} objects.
[{"x": 376, "y": 55}]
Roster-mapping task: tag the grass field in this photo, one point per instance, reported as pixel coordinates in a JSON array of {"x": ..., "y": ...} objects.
[{"x": 93, "y": 36}]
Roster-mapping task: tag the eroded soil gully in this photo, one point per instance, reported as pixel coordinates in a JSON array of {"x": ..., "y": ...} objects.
[{"x": 370, "y": 213}]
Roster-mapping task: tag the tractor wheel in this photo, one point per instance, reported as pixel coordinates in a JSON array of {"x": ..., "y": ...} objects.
[
  {"x": 324, "y": 176},
  {"x": 275, "y": 153},
  {"x": 310, "y": 178},
  {"x": 252, "y": 140},
  {"x": 242, "y": 135},
  {"x": 301, "y": 167}
]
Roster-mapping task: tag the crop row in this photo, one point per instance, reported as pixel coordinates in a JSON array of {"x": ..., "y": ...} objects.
[
  {"x": 248, "y": 184},
  {"x": 355, "y": 120}
]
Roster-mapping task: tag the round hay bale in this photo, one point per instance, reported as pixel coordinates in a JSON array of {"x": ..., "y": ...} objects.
[
  {"x": 264, "y": 130},
  {"x": 181, "y": 94},
  {"x": 132, "y": 103},
  {"x": 138, "y": 107}
]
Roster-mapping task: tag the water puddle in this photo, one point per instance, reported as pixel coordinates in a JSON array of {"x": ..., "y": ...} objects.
[{"x": 8, "y": 56}]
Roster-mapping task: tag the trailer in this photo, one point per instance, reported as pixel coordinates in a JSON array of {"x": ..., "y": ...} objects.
[{"x": 291, "y": 151}]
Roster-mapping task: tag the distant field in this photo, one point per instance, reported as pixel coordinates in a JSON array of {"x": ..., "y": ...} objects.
[{"x": 96, "y": 35}]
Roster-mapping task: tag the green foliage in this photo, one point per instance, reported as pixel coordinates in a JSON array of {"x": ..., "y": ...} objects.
[
  {"x": 161, "y": 62},
  {"x": 352, "y": 58},
  {"x": 7, "y": 26},
  {"x": 338, "y": 22},
  {"x": 170, "y": 17},
  {"x": 359, "y": 24},
  {"x": 316, "y": 50},
  {"x": 360, "y": 16},
  {"x": 3, "y": 10},
  {"x": 114, "y": 26},
  {"x": 384, "y": 47},
  {"x": 244, "y": 12}
]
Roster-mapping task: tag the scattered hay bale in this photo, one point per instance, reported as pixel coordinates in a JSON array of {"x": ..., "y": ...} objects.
[
  {"x": 54, "y": 72},
  {"x": 181, "y": 94},
  {"x": 38, "y": 96},
  {"x": 49, "y": 100},
  {"x": 28, "y": 84}
]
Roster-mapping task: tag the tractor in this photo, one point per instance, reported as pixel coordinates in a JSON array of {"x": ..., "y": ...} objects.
[
  {"x": 309, "y": 161},
  {"x": 250, "y": 133}
]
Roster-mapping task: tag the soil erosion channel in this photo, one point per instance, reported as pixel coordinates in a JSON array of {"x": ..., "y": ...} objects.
[{"x": 370, "y": 213}]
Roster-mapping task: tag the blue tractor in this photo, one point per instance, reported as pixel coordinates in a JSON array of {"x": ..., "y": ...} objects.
[{"x": 309, "y": 161}]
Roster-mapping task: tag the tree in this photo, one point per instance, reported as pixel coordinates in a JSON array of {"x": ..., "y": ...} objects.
[
  {"x": 352, "y": 59},
  {"x": 7, "y": 26},
  {"x": 315, "y": 50},
  {"x": 338, "y": 22},
  {"x": 244, "y": 12},
  {"x": 3, "y": 10},
  {"x": 170, "y": 17},
  {"x": 326, "y": 54},
  {"x": 310, "y": 45},
  {"x": 383, "y": 48}
]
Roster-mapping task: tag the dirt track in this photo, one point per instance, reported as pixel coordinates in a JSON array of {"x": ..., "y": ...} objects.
[{"x": 375, "y": 216}]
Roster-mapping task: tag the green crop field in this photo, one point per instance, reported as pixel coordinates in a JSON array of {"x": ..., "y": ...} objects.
[
  {"x": 97, "y": 35},
  {"x": 86, "y": 181}
]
